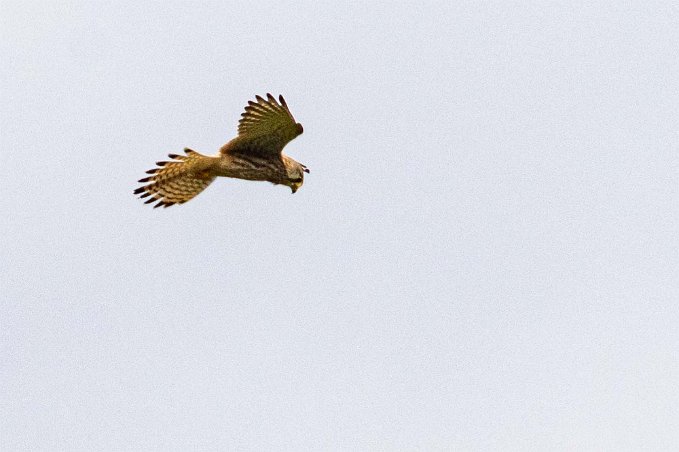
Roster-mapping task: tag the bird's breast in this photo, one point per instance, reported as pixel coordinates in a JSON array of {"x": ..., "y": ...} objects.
[{"x": 252, "y": 168}]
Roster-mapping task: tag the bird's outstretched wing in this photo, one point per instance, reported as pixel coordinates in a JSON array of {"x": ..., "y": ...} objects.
[
  {"x": 178, "y": 180},
  {"x": 265, "y": 128}
]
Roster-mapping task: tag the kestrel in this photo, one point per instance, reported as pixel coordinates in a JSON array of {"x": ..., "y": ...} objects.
[{"x": 265, "y": 128}]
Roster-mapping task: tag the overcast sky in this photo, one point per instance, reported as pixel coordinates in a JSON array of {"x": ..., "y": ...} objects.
[{"x": 485, "y": 255}]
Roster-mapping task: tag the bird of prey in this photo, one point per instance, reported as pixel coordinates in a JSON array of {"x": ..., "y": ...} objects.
[{"x": 265, "y": 128}]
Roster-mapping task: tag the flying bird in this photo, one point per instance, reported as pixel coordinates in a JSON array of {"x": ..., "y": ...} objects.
[{"x": 265, "y": 128}]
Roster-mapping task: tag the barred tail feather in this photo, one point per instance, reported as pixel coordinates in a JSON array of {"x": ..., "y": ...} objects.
[{"x": 177, "y": 181}]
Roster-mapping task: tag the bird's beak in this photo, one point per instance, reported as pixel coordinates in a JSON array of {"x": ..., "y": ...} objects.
[{"x": 295, "y": 186}]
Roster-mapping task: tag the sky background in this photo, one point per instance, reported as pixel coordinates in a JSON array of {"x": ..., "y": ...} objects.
[{"x": 485, "y": 255}]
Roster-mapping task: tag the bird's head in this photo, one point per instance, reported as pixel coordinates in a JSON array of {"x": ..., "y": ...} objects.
[{"x": 296, "y": 176}]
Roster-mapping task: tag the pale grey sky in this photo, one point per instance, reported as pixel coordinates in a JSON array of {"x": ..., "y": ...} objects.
[{"x": 484, "y": 256}]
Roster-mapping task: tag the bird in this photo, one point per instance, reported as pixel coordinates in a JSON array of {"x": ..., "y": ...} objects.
[{"x": 264, "y": 129}]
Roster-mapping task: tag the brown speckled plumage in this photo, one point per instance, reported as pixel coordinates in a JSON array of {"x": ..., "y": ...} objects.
[{"x": 265, "y": 128}]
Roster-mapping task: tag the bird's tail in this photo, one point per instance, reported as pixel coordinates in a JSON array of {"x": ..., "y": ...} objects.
[{"x": 179, "y": 180}]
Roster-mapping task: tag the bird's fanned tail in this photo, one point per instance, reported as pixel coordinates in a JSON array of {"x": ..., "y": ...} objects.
[{"x": 178, "y": 180}]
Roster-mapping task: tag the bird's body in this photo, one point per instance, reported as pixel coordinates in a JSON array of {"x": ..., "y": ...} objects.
[{"x": 255, "y": 154}]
